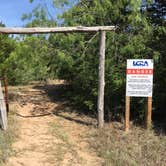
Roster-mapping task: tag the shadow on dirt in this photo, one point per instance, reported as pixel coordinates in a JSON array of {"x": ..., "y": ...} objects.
[
  {"x": 59, "y": 93},
  {"x": 75, "y": 119},
  {"x": 32, "y": 116},
  {"x": 56, "y": 93}
]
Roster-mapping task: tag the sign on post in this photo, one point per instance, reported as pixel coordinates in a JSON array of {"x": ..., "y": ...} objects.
[
  {"x": 3, "y": 113},
  {"x": 139, "y": 83}
]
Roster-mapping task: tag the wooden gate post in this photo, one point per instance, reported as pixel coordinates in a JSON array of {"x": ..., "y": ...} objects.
[{"x": 101, "y": 82}]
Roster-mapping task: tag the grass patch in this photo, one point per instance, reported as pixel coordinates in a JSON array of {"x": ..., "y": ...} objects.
[
  {"x": 139, "y": 147},
  {"x": 63, "y": 148},
  {"x": 7, "y": 138},
  {"x": 58, "y": 132}
]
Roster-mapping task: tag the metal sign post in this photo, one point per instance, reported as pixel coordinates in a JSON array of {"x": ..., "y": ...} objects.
[{"x": 139, "y": 83}]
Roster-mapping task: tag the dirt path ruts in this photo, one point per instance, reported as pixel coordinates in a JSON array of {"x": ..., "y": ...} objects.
[{"x": 47, "y": 135}]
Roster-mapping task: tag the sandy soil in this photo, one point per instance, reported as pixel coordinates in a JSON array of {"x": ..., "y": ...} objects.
[{"x": 50, "y": 134}]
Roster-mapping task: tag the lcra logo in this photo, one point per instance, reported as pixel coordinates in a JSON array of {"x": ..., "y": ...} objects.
[{"x": 140, "y": 63}]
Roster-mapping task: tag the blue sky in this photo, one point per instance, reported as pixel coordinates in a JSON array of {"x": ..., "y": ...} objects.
[{"x": 12, "y": 10}]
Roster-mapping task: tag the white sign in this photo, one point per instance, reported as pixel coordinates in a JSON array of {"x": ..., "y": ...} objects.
[
  {"x": 139, "y": 79},
  {"x": 3, "y": 113}
]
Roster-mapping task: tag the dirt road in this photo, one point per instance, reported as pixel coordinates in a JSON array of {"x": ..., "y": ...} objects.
[{"x": 50, "y": 134}]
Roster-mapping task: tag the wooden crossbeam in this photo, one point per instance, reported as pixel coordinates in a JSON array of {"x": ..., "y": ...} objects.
[{"x": 39, "y": 30}]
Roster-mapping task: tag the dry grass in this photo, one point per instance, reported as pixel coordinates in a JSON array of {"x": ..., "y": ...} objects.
[
  {"x": 63, "y": 150},
  {"x": 139, "y": 147},
  {"x": 7, "y": 138}
]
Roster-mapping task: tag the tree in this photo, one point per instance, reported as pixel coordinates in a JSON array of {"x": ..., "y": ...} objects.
[
  {"x": 29, "y": 61},
  {"x": 129, "y": 41},
  {"x": 157, "y": 16}
]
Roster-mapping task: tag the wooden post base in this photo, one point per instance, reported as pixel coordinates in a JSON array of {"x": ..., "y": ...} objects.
[
  {"x": 127, "y": 114},
  {"x": 149, "y": 113}
]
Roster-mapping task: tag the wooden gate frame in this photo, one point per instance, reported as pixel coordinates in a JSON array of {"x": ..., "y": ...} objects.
[{"x": 79, "y": 29}]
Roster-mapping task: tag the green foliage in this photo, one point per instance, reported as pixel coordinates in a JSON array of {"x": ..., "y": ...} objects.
[
  {"x": 135, "y": 37},
  {"x": 39, "y": 17},
  {"x": 128, "y": 42},
  {"x": 28, "y": 62},
  {"x": 60, "y": 3},
  {"x": 7, "y": 45},
  {"x": 74, "y": 57}
]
